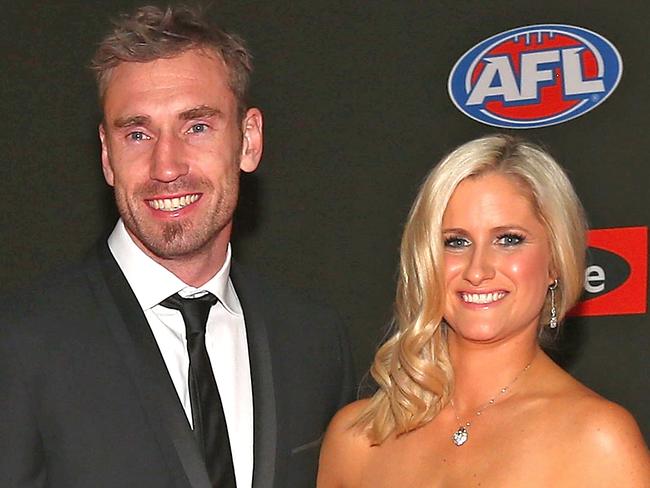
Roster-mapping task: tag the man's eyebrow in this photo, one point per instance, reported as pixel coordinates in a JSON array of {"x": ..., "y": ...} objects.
[
  {"x": 131, "y": 120},
  {"x": 202, "y": 111}
]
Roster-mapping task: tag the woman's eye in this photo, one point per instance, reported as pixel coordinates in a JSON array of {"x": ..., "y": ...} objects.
[
  {"x": 198, "y": 128},
  {"x": 510, "y": 239},
  {"x": 456, "y": 242}
]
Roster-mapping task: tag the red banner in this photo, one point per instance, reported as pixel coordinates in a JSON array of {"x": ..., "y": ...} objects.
[{"x": 616, "y": 278}]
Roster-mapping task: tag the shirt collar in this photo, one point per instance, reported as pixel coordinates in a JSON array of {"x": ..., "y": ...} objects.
[{"x": 152, "y": 283}]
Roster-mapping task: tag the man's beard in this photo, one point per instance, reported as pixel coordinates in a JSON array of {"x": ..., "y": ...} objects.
[{"x": 188, "y": 236}]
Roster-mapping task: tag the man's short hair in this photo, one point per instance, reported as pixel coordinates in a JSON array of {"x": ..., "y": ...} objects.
[{"x": 151, "y": 33}]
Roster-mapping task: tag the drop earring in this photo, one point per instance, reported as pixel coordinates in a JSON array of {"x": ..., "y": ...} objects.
[{"x": 553, "y": 321}]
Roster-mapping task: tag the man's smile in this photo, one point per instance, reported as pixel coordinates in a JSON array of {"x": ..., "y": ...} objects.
[{"x": 173, "y": 204}]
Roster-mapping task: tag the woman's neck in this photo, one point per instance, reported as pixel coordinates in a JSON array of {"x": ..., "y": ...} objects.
[{"x": 482, "y": 370}]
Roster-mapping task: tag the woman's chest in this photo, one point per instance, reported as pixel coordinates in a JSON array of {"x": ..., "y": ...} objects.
[{"x": 501, "y": 456}]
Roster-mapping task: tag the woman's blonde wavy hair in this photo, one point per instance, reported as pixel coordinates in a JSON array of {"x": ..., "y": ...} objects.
[{"x": 412, "y": 368}]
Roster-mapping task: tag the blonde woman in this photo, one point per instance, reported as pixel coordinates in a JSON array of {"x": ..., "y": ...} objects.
[{"x": 492, "y": 258}]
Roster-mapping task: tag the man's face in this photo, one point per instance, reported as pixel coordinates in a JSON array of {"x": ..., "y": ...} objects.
[{"x": 172, "y": 148}]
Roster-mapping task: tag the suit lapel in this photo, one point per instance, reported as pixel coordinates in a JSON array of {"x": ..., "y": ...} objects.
[
  {"x": 148, "y": 371},
  {"x": 264, "y": 407}
]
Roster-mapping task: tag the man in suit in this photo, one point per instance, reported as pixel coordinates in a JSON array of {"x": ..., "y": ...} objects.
[{"x": 100, "y": 385}]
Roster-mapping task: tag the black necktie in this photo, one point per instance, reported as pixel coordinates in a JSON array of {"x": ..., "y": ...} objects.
[{"x": 208, "y": 419}]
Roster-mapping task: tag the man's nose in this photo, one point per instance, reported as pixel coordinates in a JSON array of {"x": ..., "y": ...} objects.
[
  {"x": 167, "y": 161},
  {"x": 480, "y": 266}
]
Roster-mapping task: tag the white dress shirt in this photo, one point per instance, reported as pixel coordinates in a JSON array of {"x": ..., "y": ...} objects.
[{"x": 225, "y": 340}]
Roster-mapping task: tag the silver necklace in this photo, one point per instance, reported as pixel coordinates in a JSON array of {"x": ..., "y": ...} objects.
[{"x": 461, "y": 435}]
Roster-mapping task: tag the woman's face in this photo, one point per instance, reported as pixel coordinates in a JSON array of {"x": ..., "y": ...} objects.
[{"x": 497, "y": 260}]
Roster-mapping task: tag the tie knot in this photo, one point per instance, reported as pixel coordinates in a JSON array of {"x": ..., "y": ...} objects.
[{"x": 195, "y": 311}]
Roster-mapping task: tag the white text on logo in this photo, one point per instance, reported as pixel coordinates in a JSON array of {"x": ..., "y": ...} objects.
[{"x": 498, "y": 78}]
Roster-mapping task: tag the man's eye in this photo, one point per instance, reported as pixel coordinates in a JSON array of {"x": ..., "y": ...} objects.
[
  {"x": 456, "y": 242},
  {"x": 138, "y": 136},
  {"x": 510, "y": 239},
  {"x": 198, "y": 128}
]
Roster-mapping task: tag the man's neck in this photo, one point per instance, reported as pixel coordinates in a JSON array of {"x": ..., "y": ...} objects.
[{"x": 197, "y": 268}]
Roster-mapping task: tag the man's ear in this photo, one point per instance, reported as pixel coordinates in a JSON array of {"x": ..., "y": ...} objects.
[
  {"x": 253, "y": 140},
  {"x": 106, "y": 161}
]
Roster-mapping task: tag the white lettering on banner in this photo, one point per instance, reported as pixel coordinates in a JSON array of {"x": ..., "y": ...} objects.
[
  {"x": 500, "y": 66},
  {"x": 574, "y": 84},
  {"x": 532, "y": 75},
  {"x": 594, "y": 279},
  {"x": 498, "y": 76}
]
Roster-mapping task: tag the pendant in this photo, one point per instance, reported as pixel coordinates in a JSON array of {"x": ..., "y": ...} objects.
[{"x": 460, "y": 436}]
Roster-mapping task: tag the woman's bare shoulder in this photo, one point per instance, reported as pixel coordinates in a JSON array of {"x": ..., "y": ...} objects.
[
  {"x": 606, "y": 441},
  {"x": 587, "y": 439},
  {"x": 349, "y": 413},
  {"x": 345, "y": 448},
  {"x": 608, "y": 426},
  {"x": 344, "y": 433}
]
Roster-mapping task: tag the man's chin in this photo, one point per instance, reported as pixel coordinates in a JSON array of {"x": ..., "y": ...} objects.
[
  {"x": 169, "y": 241},
  {"x": 179, "y": 248}
]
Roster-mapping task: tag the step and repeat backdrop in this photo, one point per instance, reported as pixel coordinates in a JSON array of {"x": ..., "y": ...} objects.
[{"x": 361, "y": 99}]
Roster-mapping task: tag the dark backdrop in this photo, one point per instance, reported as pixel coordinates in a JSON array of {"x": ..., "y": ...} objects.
[{"x": 356, "y": 112}]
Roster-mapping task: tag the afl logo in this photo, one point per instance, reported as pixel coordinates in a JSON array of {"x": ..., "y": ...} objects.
[{"x": 535, "y": 76}]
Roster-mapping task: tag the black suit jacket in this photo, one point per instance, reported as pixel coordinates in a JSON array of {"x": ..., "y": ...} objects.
[{"x": 86, "y": 399}]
